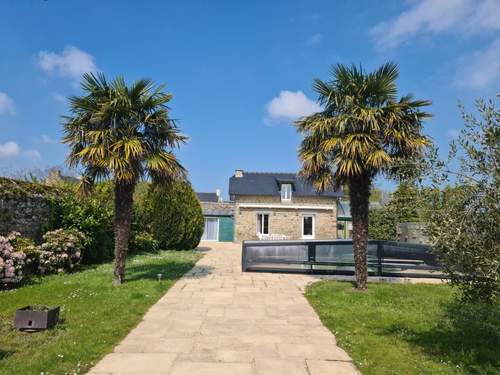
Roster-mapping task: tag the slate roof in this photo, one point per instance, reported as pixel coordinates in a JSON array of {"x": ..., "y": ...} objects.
[
  {"x": 269, "y": 184},
  {"x": 217, "y": 208},
  {"x": 207, "y": 197}
]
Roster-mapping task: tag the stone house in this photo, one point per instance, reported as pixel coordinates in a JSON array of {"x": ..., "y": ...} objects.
[
  {"x": 281, "y": 206},
  {"x": 55, "y": 176}
]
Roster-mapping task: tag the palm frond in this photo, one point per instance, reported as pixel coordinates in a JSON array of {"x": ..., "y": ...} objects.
[
  {"x": 362, "y": 129},
  {"x": 120, "y": 129}
]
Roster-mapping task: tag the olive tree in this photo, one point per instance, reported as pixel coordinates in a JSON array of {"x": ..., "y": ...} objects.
[{"x": 465, "y": 224}]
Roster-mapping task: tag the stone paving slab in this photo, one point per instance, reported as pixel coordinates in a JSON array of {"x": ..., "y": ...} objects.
[{"x": 217, "y": 320}]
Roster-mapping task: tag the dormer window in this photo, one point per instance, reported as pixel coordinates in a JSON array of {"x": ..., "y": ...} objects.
[{"x": 286, "y": 192}]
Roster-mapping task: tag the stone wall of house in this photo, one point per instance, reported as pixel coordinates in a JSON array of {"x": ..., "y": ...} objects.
[
  {"x": 412, "y": 233},
  {"x": 302, "y": 201},
  {"x": 25, "y": 208},
  {"x": 285, "y": 220}
]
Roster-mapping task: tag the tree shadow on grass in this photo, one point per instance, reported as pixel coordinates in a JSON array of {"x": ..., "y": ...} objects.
[
  {"x": 4, "y": 354},
  {"x": 169, "y": 271},
  {"x": 203, "y": 249},
  {"x": 199, "y": 271},
  {"x": 468, "y": 336},
  {"x": 33, "y": 280}
]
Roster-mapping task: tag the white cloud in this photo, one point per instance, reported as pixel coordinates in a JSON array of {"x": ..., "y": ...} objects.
[
  {"x": 6, "y": 104},
  {"x": 289, "y": 105},
  {"x": 71, "y": 62},
  {"x": 12, "y": 149},
  {"x": 44, "y": 138},
  {"x": 315, "y": 39},
  {"x": 486, "y": 15},
  {"x": 481, "y": 69},
  {"x": 434, "y": 16},
  {"x": 9, "y": 149}
]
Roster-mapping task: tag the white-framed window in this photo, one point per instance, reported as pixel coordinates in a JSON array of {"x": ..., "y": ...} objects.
[
  {"x": 262, "y": 223},
  {"x": 286, "y": 192},
  {"x": 308, "y": 223}
]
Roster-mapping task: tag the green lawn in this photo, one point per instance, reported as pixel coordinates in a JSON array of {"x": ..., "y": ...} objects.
[
  {"x": 95, "y": 315},
  {"x": 409, "y": 329}
]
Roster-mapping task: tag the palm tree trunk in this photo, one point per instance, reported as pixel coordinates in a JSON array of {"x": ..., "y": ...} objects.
[
  {"x": 359, "y": 194},
  {"x": 123, "y": 217}
]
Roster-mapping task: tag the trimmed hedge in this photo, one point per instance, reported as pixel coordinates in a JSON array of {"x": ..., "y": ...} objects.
[
  {"x": 174, "y": 216},
  {"x": 382, "y": 224}
]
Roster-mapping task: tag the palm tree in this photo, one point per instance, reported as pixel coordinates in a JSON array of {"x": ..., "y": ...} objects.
[
  {"x": 124, "y": 133},
  {"x": 363, "y": 131}
]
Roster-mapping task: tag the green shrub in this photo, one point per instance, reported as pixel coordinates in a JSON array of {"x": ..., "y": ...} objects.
[
  {"x": 140, "y": 222},
  {"x": 143, "y": 242},
  {"x": 408, "y": 204},
  {"x": 382, "y": 224},
  {"x": 93, "y": 216},
  {"x": 173, "y": 215},
  {"x": 61, "y": 251}
]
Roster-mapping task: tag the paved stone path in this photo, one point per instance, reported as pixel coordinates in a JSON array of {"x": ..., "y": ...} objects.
[{"x": 217, "y": 320}]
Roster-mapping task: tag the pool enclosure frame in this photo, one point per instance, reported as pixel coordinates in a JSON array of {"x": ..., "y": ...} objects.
[{"x": 385, "y": 258}]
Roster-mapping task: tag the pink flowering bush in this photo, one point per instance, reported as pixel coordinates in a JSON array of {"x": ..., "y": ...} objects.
[
  {"x": 61, "y": 251},
  {"x": 27, "y": 246},
  {"x": 12, "y": 262}
]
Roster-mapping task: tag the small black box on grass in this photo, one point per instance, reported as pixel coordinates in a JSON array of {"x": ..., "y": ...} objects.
[{"x": 36, "y": 318}]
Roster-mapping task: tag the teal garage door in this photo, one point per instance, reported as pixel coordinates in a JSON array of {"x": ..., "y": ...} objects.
[{"x": 226, "y": 229}]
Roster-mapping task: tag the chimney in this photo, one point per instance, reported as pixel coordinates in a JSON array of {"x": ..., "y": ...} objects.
[
  {"x": 238, "y": 173},
  {"x": 217, "y": 192}
]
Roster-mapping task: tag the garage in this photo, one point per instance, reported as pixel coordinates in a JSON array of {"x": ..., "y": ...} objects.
[{"x": 219, "y": 218}]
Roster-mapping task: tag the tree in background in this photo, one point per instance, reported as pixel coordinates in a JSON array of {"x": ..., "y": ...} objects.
[
  {"x": 406, "y": 202},
  {"x": 364, "y": 130},
  {"x": 174, "y": 216},
  {"x": 382, "y": 224},
  {"x": 464, "y": 225},
  {"x": 123, "y": 133},
  {"x": 406, "y": 205}
]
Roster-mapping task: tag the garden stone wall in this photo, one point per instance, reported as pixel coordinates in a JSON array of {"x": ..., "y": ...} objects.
[{"x": 25, "y": 207}]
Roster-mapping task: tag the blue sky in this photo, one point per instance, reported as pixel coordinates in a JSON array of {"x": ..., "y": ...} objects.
[{"x": 240, "y": 72}]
